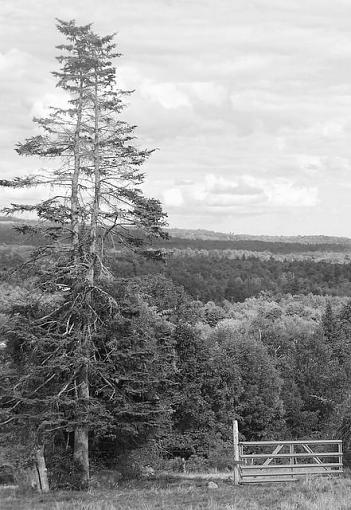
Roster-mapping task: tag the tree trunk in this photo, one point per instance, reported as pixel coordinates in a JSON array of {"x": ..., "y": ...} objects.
[
  {"x": 81, "y": 434},
  {"x": 93, "y": 248},
  {"x": 41, "y": 469},
  {"x": 75, "y": 177},
  {"x": 81, "y": 454},
  {"x": 35, "y": 476},
  {"x": 28, "y": 478}
]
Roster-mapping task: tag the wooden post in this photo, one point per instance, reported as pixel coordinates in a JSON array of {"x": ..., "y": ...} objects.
[
  {"x": 236, "y": 471},
  {"x": 41, "y": 468},
  {"x": 291, "y": 451},
  {"x": 340, "y": 457}
]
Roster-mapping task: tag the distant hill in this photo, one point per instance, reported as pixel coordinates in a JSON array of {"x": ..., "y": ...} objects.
[
  {"x": 207, "y": 235},
  {"x": 11, "y": 219},
  {"x": 184, "y": 239}
]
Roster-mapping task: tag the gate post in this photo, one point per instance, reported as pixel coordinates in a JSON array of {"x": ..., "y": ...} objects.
[{"x": 236, "y": 471}]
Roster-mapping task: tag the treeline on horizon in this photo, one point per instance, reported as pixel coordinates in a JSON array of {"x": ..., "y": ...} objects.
[
  {"x": 9, "y": 235},
  {"x": 250, "y": 245}
]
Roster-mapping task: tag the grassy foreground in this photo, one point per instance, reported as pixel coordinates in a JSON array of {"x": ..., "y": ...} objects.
[{"x": 309, "y": 494}]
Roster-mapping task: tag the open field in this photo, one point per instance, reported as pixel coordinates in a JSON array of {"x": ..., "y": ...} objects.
[{"x": 309, "y": 494}]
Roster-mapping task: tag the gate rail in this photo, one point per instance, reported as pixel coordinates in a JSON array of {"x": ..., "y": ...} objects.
[{"x": 289, "y": 460}]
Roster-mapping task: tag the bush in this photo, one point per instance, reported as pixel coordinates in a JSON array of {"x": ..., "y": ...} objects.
[
  {"x": 105, "y": 479},
  {"x": 221, "y": 458},
  {"x": 174, "y": 464},
  {"x": 197, "y": 463},
  {"x": 141, "y": 462},
  {"x": 63, "y": 471},
  {"x": 7, "y": 476}
]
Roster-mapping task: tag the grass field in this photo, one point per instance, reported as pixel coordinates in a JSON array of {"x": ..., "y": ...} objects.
[{"x": 309, "y": 494}]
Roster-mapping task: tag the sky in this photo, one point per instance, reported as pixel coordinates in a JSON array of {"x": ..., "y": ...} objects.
[{"x": 247, "y": 101}]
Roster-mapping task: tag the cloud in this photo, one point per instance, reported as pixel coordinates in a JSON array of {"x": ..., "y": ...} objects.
[
  {"x": 173, "y": 197},
  {"x": 285, "y": 194},
  {"x": 209, "y": 92},
  {"x": 247, "y": 194},
  {"x": 12, "y": 60},
  {"x": 167, "y": 94},
  {"x": 176, "y": 95},
  {"x": 221, "y": 186},
  {"x": 333, "y": 167},
  {"x": 41, "y": 106}
]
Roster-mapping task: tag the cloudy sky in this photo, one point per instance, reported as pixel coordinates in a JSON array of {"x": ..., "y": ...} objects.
[{"x": 248, "y": 102}]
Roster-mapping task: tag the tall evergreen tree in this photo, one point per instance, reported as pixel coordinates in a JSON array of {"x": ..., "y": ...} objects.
[{"x": 97, "y": 201}]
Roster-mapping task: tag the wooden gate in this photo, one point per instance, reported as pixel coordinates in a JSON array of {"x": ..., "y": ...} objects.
[{"x": 284, "y": 461}]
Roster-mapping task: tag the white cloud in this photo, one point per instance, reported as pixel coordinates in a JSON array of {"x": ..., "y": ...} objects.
[
  {"x": 172, "y": 95},
  {"x": 167, "y": 94},
  {"x": 41, "y": 106},
  {"x": 173, "y": 197},
  {"x": 332, "y": 129},
  {"x": 311, "y": 165},
  {"x": 285, "y": 194},
  {"x": 13, "y": 60},
  {"x": 334, "y": 167},
  {"x": 209, "y": 92},
  {"x": 217, "y": 193}
]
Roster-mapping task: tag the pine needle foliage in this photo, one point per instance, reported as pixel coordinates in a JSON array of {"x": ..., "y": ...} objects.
[{"x": 90, "y": 360}]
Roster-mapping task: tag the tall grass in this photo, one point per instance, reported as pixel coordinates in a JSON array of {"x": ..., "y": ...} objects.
[{"x": 309, "y": 494}]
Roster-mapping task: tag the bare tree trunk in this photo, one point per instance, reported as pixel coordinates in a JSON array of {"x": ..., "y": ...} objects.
[
  {"x": 28, "y": 478},
  {"x": 41, "y": 469},
  {"x": 81, "y": 435},
  {"x": 81, "y": 454},
  {"x": 75, "y": 176},
  {"x": 81, "y": 432},
  {"x": 97, "y": 185},
  {"x": 35, "y": 476}
]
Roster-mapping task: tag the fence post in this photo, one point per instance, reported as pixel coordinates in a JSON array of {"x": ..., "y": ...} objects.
[
  {"x": 236, "y": 472},
  {"x": 340, "y": 456},
  {"x": 291, "y": 451}
]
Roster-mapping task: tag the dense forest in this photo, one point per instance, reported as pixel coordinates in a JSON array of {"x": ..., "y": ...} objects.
[
  {"x": 264, "y": 341},
  {"x": 280, "y": 364},
  {"x": 261, "y": 340},
  {"x": 217, "y": 278},
  {"x": 217, "y": 274}
]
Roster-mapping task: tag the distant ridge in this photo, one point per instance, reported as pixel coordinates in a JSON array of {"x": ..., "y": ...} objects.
[
  {"x": 209, "y": 235},
  {"x": 9, "y": 219},
  {"x": 7, "y": 222},
  {"x": 13, "y": 219}
]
